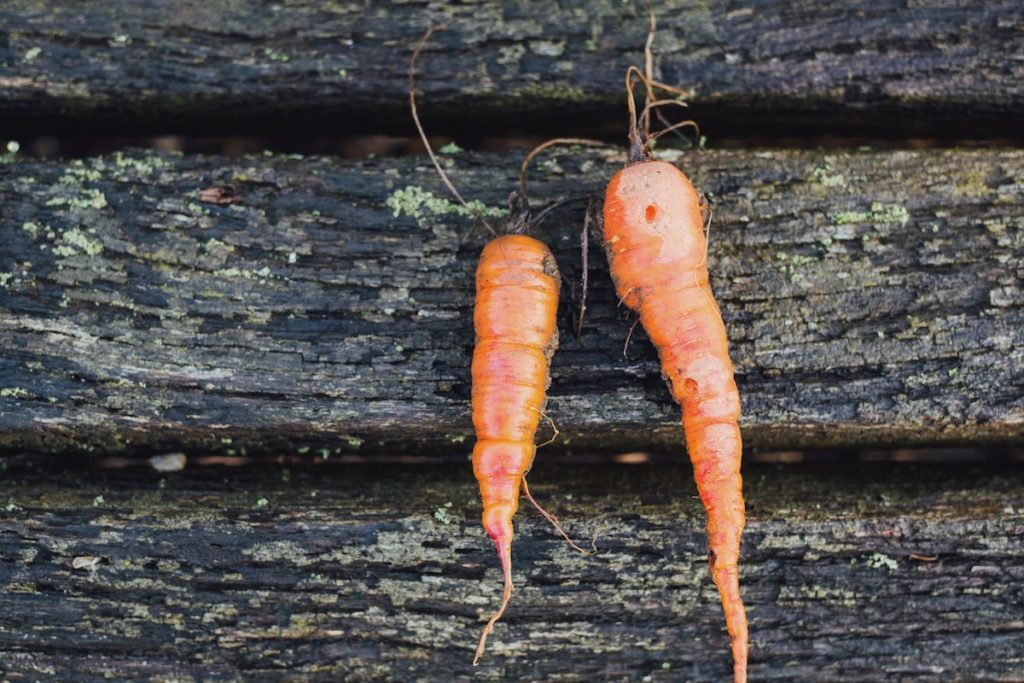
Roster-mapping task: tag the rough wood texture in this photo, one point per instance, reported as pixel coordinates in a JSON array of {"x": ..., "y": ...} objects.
[
  {"x": 849, "y": 573},
  {"x": 871, "y": 298},
  {"x": 785, "y": 67}
]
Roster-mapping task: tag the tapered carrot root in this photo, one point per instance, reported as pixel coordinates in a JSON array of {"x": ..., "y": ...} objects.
[
  {"x": 505, "y": 553},
  {"x": 653, "y": 231},
  {"x": 516, "y": 301},
  {"x": 714, "y": 450},
  {"x": 517, "y": 285}
]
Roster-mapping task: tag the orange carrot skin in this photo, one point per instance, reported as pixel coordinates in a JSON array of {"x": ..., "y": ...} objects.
[
  {"x": 654, "y": 238},
  {"x": 517, "y": 286}
]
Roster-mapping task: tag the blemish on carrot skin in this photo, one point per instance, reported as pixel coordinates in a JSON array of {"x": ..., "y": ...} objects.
[{"x": 651, "y": 213}]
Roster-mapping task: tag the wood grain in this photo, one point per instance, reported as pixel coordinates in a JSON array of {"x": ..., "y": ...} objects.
[
  {"x": 850, "y": 573},
  {"x": 887, "y": 68},
  {"x": 870, "y": 298}
]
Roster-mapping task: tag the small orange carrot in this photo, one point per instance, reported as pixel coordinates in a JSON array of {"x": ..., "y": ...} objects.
[
  {"x": 657, "y": 253},
  {"x": 517, "y": 286}
]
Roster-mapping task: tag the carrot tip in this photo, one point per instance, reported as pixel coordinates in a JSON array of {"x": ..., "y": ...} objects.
[{"x": 489, "y": 628}]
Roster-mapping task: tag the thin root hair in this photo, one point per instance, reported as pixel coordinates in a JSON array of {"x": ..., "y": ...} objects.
[
  {"x": 423, "y": 135},
  {"x": 558, "y": 525}
]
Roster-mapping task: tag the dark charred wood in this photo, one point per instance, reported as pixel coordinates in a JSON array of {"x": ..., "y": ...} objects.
[
  {"x": 870, "y": 298},
  {"x": 867, "y": 573},
  {"x": 785, "y": 68}
]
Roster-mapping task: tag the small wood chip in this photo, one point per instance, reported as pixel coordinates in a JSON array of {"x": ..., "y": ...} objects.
[
  {"x": 87, "y": 562},
  {"x": 169, "y": 462},
  {"x": 219, "y": 194}
]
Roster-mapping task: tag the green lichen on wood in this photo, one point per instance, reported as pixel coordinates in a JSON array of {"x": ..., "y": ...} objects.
[
  {"x": 74, "y": 241},
  {"x": 314, "y": 319},
  {"x": 253, "y": 588},
  {"x": 880, "y": 213},
  {"x": 416, "y": 202}
]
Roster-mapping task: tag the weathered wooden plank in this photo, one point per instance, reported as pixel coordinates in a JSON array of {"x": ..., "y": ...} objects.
[
  {"x": 850, "y": 573},
  {"x": 887, "y": 67},
  {"x": 871, "y": 298}
]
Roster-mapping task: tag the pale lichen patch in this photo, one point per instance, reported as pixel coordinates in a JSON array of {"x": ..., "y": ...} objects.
[
  {"x": 879, "y": 214},
  {"x": 827, "y": 177},
  {"x": 416, "y": 202},
  {"x": 547, "y": 48},
  {"x": 74, "y": 242},
  {"x": 89, "y": 199},
  {"x": 441, "y": 514},
  {"x": 144, "y": 165},
  {"x": 791, "y": 265},
  {"x": 510, "y": 54},
  {"x": 244, "y": 273},
  {"x": 880, "y": 561},
  {"x": 277, "y": 550}
]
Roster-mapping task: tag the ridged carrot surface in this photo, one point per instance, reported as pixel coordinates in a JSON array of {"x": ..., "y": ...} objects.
[
  {"x": 517, "y": 286},
  {"x": 654, "y": 238}
]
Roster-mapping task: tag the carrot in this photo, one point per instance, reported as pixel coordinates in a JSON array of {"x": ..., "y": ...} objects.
[
  {"x": 517, "y": 286},
  {"x": 656, "y": 247},
  {"x": 514, "y": 316}
]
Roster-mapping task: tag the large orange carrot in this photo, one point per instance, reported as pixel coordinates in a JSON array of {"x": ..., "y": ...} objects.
[
  {"x": 656, "y": 247},
  {"x": 516, "y": 300}
]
